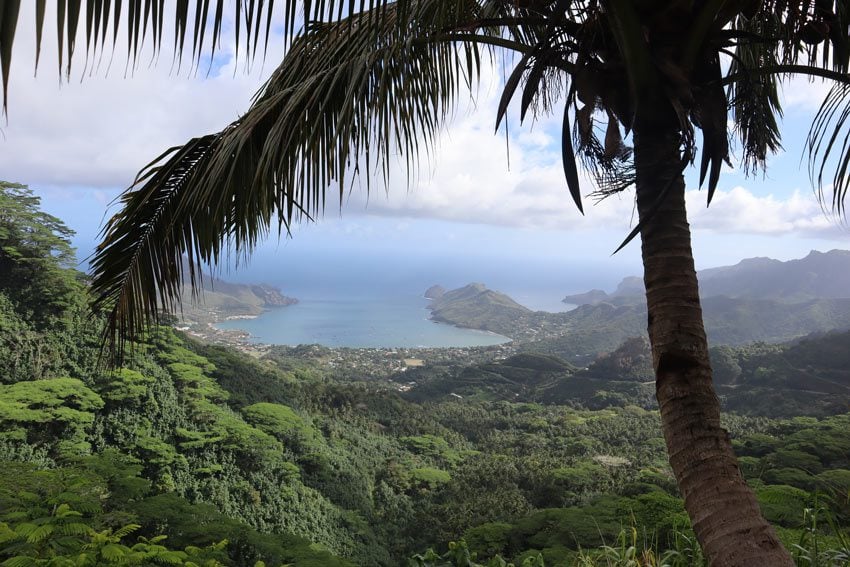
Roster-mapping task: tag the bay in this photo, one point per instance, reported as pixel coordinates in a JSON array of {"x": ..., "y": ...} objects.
[{"x": 361, "y": 321}]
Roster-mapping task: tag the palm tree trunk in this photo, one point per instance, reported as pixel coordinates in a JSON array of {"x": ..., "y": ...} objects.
[{"x": 723, "y": 509}]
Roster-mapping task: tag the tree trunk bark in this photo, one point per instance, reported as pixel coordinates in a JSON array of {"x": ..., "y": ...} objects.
[{"x": 723, "y": 510}]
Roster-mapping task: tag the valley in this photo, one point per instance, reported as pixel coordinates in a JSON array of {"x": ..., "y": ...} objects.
[{"x": 546, "y": 450}]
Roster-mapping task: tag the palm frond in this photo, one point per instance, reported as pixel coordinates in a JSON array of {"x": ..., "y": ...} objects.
[
  {"x": 8, "y": 24},
  {"x": 754, "y": 97},
  {"x": 811, "y": 31},
  {"x": 710, "y": 114},
  {"x": 349, "y": 96},
  {"x": 100, "y": 22},
  {"x": 132, "y": 277},
  {"x": 785, "y": 39},
  {"x": 828, "y": 144}
]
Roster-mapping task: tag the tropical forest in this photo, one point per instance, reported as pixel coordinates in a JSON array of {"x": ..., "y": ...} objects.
[{"x": 149, "y": 415}]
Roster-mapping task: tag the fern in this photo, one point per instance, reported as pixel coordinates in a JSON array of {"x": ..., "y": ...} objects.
[
  {"x": 114, "y": 552},
  {"x": 127, "y": 530},
  {"x": 73, "y": 529},
  {"x": 39, "y": 533},
  {"x": 19, "y": 561}
]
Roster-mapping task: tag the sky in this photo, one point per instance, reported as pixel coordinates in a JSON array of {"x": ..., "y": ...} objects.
[{"x": 471, "y": 214}]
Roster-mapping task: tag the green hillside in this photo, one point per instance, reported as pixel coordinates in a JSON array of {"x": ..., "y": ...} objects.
[
  {"x": 197, "y": 455},
  {"x": 221, "y": 300},
  {"x": 584, "y": 333},
  {"x": 476, "y": 307}
]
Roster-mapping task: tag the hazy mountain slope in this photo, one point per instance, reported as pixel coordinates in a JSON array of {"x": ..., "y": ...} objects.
[
  {"x": 739, "y": 321},
  {"x": 820, "y": 275},
  {"x": 584, "y": 333},
  {"x": 222, "y": 299},
  {"x": 594, "y": 329},
  {"x": 590, "y": 330},
  {"x": 477, "y": 307}
]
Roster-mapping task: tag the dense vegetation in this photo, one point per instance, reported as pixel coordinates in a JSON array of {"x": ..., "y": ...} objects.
[
  {"x": 584, "y": 333},
  {"x": 198, "y": 455},
  {"x": 810, "y": 377}
]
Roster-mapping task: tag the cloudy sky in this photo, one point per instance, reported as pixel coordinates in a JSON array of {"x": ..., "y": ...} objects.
[{"x": 79, "y": 143}]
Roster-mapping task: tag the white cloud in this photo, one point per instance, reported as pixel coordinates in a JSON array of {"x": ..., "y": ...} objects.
[
  {"x": 803, "y": 94},
  {"x": 472, "y": 183},
  {"x": 98, "y": 134},
  {"x": 99, "y": 131},
  {"x": 741, "y": 211}
]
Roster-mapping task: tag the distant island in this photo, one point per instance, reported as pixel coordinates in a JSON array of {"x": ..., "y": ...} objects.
[
  {"x": 474, "y": 306},
  {"x": 222, "y": 300}
]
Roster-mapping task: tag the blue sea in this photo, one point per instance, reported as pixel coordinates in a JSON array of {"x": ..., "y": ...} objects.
[
  {"x": 361, "y": 282},
  {"x": 376, "y": 315},
  {"x": 371, "y": 322},
  {"x": 354, "y": 298}
]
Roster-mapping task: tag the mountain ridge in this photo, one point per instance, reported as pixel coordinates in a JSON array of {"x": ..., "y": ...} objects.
[
  {"x": 476, "y": 307},
  {"x": 582, "y": 334},
  {"x": 818, "y": 275},
  {"x": 221, "y": 299}
]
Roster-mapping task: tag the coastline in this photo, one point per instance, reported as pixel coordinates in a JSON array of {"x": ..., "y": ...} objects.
[
  {"x": 439, "y": 321},
  {"x": 201, "y": 325},
  {"x": 356, "y": 323}
]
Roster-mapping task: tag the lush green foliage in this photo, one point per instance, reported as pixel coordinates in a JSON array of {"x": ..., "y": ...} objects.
[
  {"x": 35, "y": 251},
  {"x": 288, "y": 465},
  {"x": 806, "y": 377}
]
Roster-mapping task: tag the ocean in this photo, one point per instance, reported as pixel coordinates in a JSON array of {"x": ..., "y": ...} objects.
[
  {"x": 371, "y": 318},
  {"x": 374, "y": 301},
  {"x": 363, "y": 322}
]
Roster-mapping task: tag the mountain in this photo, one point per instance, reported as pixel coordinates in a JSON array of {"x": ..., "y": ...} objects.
[
  {"x": 435, "y": 292},
  {"x": 820, "y": 275},
  {"x": 583, "y": 334},
  {"x": 599, "y": 328},
  {"x": 222, "y": 299},
  {"x": 823, "y": 275},
  {"x": 587, "y": 298},
  {"x": 476, "y": 307},
  {"x": 629, "y": 292}
]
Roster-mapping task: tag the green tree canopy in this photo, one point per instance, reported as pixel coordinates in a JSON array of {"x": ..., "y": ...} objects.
[
  {"x": 362, "y": 84},
  {"x": 35, "y": 255}
]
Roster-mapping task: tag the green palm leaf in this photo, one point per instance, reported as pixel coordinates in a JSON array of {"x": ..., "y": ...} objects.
[
  {"x": 828, "y": 144},
  {"x": 355, "y": 90},
  {"x": 349, "y": 96},
  {"x": 144, "y": 25}
]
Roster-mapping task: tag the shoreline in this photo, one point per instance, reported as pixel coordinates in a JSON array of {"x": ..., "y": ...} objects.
[
  {"x": 242, "y": 339},
  {"x": 201, "y": 325}
]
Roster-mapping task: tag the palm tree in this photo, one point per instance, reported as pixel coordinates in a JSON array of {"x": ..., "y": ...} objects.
[{"x": 364, "y": 81}]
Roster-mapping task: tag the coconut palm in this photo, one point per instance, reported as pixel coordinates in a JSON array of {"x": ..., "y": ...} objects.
[{"x": 363, "y": 82}]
